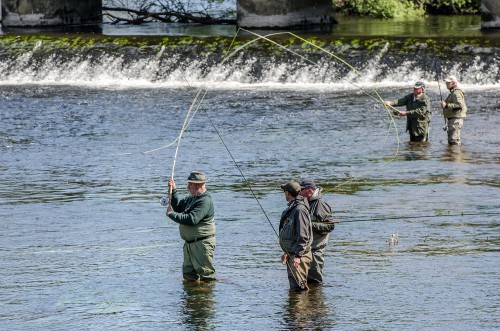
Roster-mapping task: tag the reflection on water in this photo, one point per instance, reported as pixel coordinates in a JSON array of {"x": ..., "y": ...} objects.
[
  {"x": 416, "y": 151},
  {"x": 308, "y": 310},
  {"x": 198, "y": 306},
  {"x": 455, "y": 153},
  {"x": 171, "y": 29},
  {"x": 432, "y": 26}
]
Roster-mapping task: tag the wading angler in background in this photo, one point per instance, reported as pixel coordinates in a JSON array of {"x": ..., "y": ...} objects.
[
  {"x": 195, "y": 215},
  {"x": 322, "y": 225},
  {"x": 295, "y": 234},
  {"x": 418, "y": 114},
  {"x": 454, "y": 110}
]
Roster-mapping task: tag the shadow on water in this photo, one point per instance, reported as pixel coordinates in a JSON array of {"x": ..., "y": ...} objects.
[
  {"x": 308, "y": 310},
  {"x": 198, "y": 308}
]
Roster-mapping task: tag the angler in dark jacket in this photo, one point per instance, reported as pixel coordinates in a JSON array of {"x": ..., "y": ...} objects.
[
  {"x": 418, "y": 112},
  {"x": 295, "y": 234},
  {"x": 322, "y": 225},
  {"x": 195, "y": 215},
  {"x": 454, "y": 110}
]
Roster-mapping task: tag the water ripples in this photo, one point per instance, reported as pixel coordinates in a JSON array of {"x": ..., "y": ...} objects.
[{"x": 85, "y": 243}]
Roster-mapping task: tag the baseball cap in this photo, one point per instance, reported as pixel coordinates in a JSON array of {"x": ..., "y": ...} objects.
[
  {"x": 308, "y": 183},
  {"x": 291, "y": 187}
]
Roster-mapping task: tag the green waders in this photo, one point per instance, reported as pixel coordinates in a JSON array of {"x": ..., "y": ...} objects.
[{"x": 198, "y": 260}]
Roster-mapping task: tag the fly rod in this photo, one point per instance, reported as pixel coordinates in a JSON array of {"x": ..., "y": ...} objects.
[
  {"x": 445, "y": 127},
  {"x": 302, "y": 282},
  {"x": 462, "y": 214},
  {"x": 164, "y": 201}
]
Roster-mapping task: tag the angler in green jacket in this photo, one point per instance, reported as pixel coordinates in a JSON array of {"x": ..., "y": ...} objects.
[
  {"x": 454, "y": 110},
  {"x": 195, "y": 215},
  {"x": 322, "y": 225},
  {"x": 418, "y": 113},
  {"x": 295, "y": 234}
]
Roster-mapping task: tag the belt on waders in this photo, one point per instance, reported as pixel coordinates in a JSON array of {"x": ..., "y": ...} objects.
[{"x": 199, "y": 239}]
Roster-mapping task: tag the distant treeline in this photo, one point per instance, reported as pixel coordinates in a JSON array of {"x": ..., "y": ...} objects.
[{"x": 406, "y": 8}]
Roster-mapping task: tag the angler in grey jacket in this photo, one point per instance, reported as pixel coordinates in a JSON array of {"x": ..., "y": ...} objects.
[
  {"x": 295, "y": 234},
  {"x": 454, "y": 110},
  {"x": 195, "y": 215},
  {"x": 418, "y": 112},
  {"x": 322, "y": 225}
]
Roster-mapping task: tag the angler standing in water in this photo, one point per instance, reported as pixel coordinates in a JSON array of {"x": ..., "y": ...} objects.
[
  {"x": 195, "y": 215},
  {"x": 454, "y": 110},
  {"x": 418, "y": 114},
  {"x": 322, "y": 225},
  {"x": 295, "y": 234}
]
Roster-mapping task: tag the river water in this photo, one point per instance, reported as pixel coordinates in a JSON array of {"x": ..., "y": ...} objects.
[{"x": 85, "y": 243}]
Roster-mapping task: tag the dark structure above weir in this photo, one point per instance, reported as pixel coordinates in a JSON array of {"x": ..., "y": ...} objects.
[
  {"x": 490, "y": 14},
  {"x": 28, "y": 13},
  {"x": 284, "y": 13},
  {"x": 263, "y": 14}
]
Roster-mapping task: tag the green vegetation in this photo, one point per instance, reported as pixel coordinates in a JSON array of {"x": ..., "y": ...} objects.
[
  {"x": 405, "y": 9},
  {"x": 219, "y": 46},
  {"x": 388, "y": 8}
]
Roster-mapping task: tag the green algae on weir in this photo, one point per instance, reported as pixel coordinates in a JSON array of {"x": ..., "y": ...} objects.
[{"x": 404, "y": 44}]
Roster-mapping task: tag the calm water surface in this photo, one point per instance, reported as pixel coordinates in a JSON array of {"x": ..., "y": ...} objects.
[{"x": 85, "y": 244}]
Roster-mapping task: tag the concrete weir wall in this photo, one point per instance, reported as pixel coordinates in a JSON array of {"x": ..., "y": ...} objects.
[
  {"x": 283, "y": 13},
  {"x": 26, "y": 13},
  {"x": 490, "y": 14}
]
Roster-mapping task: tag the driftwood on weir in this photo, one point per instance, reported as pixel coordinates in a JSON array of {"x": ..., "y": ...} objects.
[{"x": 139, "y": 16}]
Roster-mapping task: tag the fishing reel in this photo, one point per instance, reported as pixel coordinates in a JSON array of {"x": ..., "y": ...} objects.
[{"x": 164, "y": 201}]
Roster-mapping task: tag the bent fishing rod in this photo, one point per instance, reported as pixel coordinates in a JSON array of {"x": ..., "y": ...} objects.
[
  {"x": 302, "y": 282},
  {"x": 377, "y": 98},
  {"x": 187, "y": 120},
  {"x": 445, "y": 127}
]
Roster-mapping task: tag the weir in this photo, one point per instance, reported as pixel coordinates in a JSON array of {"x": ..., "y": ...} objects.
[{"x": 170, "y": 61}]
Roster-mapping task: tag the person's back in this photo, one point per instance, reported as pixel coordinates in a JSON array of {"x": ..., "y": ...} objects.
[{"x": 322, "y": 224}]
